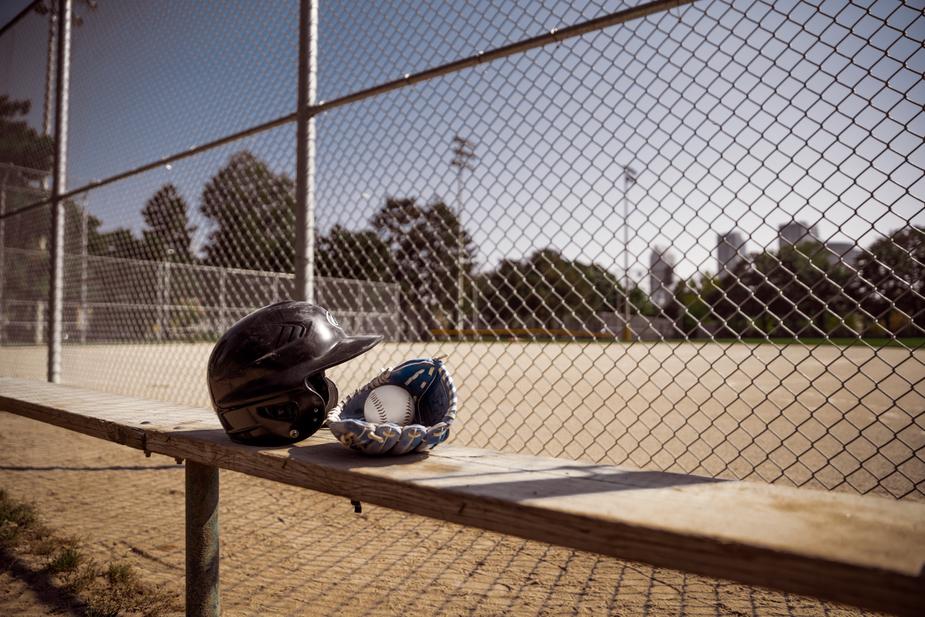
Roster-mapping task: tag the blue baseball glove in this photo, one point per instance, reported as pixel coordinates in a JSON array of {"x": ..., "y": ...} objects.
[{"x": 434, "y": 396}]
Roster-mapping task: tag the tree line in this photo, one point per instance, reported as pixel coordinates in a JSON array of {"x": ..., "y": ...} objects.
[
  {"x": 422, "y": 247},
  {"x": 801, "y": 291}
]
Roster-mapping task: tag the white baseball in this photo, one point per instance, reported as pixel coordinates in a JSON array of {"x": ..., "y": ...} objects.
[{"x": 389, "y": 404}]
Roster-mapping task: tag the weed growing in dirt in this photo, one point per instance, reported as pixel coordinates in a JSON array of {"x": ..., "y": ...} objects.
[
  {"x": 104, "y": 592},
  {"x": 15, "y": 519},
  {"x": 119, "y": 590},
  {"x": 44, "y": 542},
  {"x": 80, "y": 579},
  {"x": 120, "y": 574},
  {"x": 65, "y": 560}
]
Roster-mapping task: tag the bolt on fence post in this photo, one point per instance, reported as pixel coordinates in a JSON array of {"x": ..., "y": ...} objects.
[
  {"x": 203, "y": 598},
  {"x": 58, "y": 187},
  {"x": 305, "y": 153}
]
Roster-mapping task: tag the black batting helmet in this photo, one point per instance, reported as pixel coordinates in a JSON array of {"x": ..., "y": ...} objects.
[{"x": 266, "y": 373}]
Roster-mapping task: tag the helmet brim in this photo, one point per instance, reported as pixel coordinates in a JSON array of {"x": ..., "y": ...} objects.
[{"x": 350, "y": 348}]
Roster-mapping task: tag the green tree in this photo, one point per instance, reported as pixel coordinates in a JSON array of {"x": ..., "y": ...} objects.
[
  {"x": 168, "y": 235},
  {"x": 547, "y": 290},
  {"x": 797, "y": 291},
  {"x": 26, "y": 155},
  {"x": 689, "y": 308},
  {"x": 25, "y": 160},
  {"x": 430, "y": 252},
  {"x": 119, "y": 242},
  {"x": 891, "y": 285},
  {"x": 641, "y": 303},
  {"x": 363, "y": 255},
  {"x": 252, "y": 213}
]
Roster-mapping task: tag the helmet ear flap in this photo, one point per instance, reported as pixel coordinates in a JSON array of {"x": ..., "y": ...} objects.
[
  {"x": 333, "y": 395},
  {"x": 323, "y": 387}
]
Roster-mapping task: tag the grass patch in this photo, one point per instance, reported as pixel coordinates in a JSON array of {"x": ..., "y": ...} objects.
[
  {"x": 121, "y": 574},
  {"x": 15, "y": 520},
  {"x": 110, "y": 591},
  {"x": 44, "y": 542},
  {"x": 65, "y": 560},
  {"x": 118, "y": 589}
]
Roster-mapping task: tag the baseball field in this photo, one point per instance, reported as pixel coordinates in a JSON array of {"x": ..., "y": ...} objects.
[{"x": 821, "y": 416}]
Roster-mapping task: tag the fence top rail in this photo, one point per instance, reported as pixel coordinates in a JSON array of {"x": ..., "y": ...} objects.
[{"x": 867, "y": 551}]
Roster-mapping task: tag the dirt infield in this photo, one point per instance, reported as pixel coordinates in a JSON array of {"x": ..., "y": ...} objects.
[
  {"x": 289, "y": 551},
  {"x": 848, "y": 418}
]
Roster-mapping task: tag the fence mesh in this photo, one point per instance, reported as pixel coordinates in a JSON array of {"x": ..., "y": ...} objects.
[{"x": 690, "y": 240}]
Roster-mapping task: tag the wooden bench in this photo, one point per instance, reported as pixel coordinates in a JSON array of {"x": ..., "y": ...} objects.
[{"x": 865, "y": 551}]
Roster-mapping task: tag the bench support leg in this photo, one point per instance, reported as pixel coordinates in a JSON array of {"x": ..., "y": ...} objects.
[{"x": 202, "y": 588}]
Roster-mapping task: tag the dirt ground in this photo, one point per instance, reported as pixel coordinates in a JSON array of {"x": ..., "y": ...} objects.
[
  {"x": 845, "y": 418},
  {"x": 288, "y": 551}
]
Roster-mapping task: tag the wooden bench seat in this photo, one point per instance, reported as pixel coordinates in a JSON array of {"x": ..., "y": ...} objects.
[{"x": 866, "y": 551}]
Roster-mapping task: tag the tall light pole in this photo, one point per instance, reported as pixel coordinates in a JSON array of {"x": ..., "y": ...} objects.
[
  {"x": 50, "y": 64},
  {"x": 463, "y": 155},
  {"x": 47, "y": 118},
  {"x": 629, "y": 178}
]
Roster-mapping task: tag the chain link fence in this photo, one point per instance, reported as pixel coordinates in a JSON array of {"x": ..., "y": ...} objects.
[
  {"x": 123, "y": 300},
  {"x": 677, "y": 235}
]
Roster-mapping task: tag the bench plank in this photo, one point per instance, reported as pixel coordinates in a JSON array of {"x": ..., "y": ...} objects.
[{"x": 866, "y": 551}]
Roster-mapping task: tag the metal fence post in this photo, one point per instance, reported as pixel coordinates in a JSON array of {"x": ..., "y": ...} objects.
[
  {"x": 167, "y": 303},
  {"x": 305, "y": 153},
  {"x": 6, "y": 175},
  {"x": 40, "y": 319},
  {"x": 59, "y": 186},
  {"x": 83, "y": 316},
  {"x": 203, "y": 597},
  {"x": 222, "y": 302},
  {"x": 159, "y": 325}
]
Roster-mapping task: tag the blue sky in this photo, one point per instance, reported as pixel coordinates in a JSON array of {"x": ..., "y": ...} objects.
[
  {"x": 734, "y": 114},
  {"x": 10, "y": 8}
]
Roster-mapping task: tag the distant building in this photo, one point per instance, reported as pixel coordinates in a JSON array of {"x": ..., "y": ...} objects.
[
  {"x": 843, "y": 253},
  {"x": 730, "y": 250},
  {"x": 795, "y": 232},
  {"x": 661, "y": 276}
]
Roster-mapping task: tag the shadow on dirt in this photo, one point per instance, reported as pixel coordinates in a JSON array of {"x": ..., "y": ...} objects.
[{"x": 59, "y": 600}]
